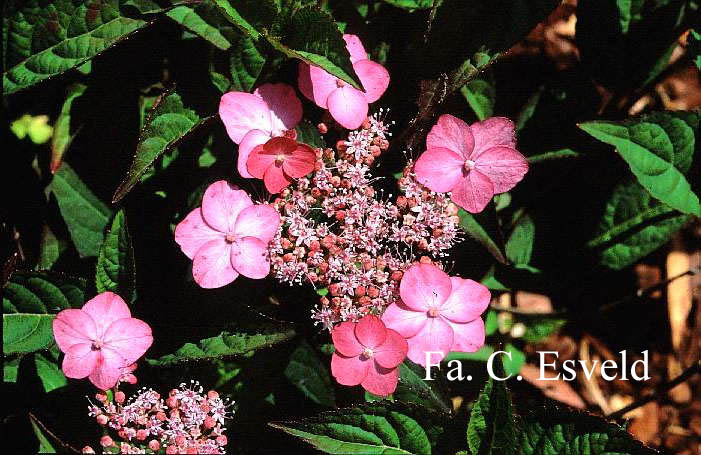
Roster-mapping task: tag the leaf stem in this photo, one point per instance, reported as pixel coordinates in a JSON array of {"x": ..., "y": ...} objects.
[
  {"x": 554, "y": 155},
  {"x": 629, "y": 224}
]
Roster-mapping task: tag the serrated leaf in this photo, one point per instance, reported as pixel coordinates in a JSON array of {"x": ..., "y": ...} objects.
[
  {"x": 484, "y": 228},
  {"x": 42, "y": 292},
  {"x": 63, "y": 135},
  {"x": 658, "y": 148},
  {"x": 519, "y": 246},
  {"x": 47, "y": 39},
  {"x": 250, "y": 16},
  {"x": 85, "y": 215},
  {"x": 50, "y": 249},
  {"x": 245, "y": 64},
  {"x": 49, "y": 373},
  {"x": 412, "y": 388},
  {"x": 203, "y": 20},
  {"x": 480, "y": 95},
  {"x": 306, "y": 371},
  {"x": 23, "y": 333},
  {"x": 115, "y": 263}
]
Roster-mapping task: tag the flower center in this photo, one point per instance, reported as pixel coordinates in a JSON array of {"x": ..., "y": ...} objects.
[
  {"x": 434, "y": 312},
  {"x": 230, "y": 237},
  {"x": 96, "y": 345},
  {"x": 368, "y": 353},
  {"x": 469, "y": 165}
]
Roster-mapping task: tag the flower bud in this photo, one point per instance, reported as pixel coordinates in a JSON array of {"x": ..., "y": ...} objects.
[
  {"x": 154, "y": 445},
  {"x": 88, "y": 449},
  {"x": 373, "y": 292},
  {"x": 141, "y": 435},
  {"x": 172, "y": 450},
  {"x": 119, "y": 397},
  {"x": 341, "y": 146},
  {"x": 221, "y": 440},
  {"x": 425, "y": 260},
  {"x": 366, "y": 124},
  {"x": 360, "y": 291},
  {"x": 106, "y": 441},
  {"x": 323, "y": 129},
  {"x": 102, "y": 419},
  {"x": 209, "y": 422}
]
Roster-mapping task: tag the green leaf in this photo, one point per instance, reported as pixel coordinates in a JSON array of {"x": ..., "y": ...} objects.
[
  {"x": 480, "y": 95},
  {"x": 250, "y": 16},
  {"x": 45, "y": 445},
  {"x": 528, "y": 109},
  {"x": 413, "y": 389},
  {"x": 115, "y": 263},
  {"x": 42, "y": 292},
  {"x": 49, "y": 250},
  {"x": 85, "y": 215},
  {"x": 308, "y": 134},
  {"x": 492, "y": 428},
  {"x": 484, "y": 228},
  {"x": 204, "y": 21},
  {"x": 658, "y": 148},
  {"x": 411, "y": 5},
  {"x": 634, "y": 225},
  {"x": 246, "y": 63},
  {"x": 694, "y": 47},
  {"x": 519, "y": 246},
  {"x": 51, "y": 376},
  {"x": 47, "y": 39},
  {"x": 539, "y": 328},
  {"x": 24, "y": 333},
  {"x": 373, "y": 428},
  {"x": 168, "y": 123},
  {"x": 306, "y": 371},
  {"x": 10, "y": 369},
  {"x": 63, "y": 135}
]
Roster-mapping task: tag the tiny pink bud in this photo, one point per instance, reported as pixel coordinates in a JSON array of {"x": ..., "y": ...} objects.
[
  {"x": 106, "y": 441},
  {"x": 160, "y": 415},
  {"x": 171, "y": 450},
  {"x": 180, "y": 440},
  {"x": 425, "y": 260},
  {"x": 154, "y": 445},
  {"x": 102, "y": 419},
  {"x": 88, "y": 449},
  {"x": 209, "y": 422},
  {"x": 101, "y": 397},
  {"x": 119, "y": 397},
  {"x": 172, "y": 402},
  {"x": 191, "y": 450},
  {"x": 141, "y": 435},
  {"x": 221, "y": 440},
  {"x": 323, "y": 129},
  {"x": 341, "y": 146}
]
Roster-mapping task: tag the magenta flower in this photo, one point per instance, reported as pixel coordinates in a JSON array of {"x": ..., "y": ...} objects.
[
  {"x": 473, "y": 162},
  {"x": 347, "y": 105},
  {"x": 252, "y": 119},
  {"x": 100, "y": 340},
  {"x": 280, "y": 160},
  {"x": 227, "y": 236},
  {"x": 438, "y": 313},
  {"x": 367, "y": 353}
]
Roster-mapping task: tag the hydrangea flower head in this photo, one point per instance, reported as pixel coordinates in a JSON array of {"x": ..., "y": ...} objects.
[
  {"x": 100, "y": 340},
  {"x": 347, "y": 105},
  {"x": 252, "y": 119},
  {"x": 367, "y": 353},
  {"x": 227, "y": 236},
  {"x": 438, "y": 313},
  {"x": 280, "y": 160},
  {"x": 474, "y": 162}
]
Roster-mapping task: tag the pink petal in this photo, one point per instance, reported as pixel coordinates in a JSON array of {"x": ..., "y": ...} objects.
[
  {"x": 349, "y": 370},
  {"x": 348, "y": 107},
  {"x": 424, "y": 286},
  {"x": 193, "y": 232},
  {"x": 316, "y": 84},
  {"x": 370, "y": 331},
  {"x": 80, "y": 362},
  {"x": 381, "y": 381},
  {"x": 212, "y": 267},
  {"x": 493, "y": 132},
  {"x": 453, "y": 134},
  {"x": 300, "y": 162},
  {"x": 105, "y": 308},
  {"x": 392, "y": 352},
  {"x": 249, "y": 256},
  {"x": 404, "y": 320},
  {"x": 275, "y": 179},
  {"x": 468, "y": 337},
  {"x": 259, "y": 161},
  {"x": 129, "y": 337},
  {"x": 105, "y": 375},
  {"x": 261, "y": 221},
  {"x": 73, "y": 327},
  {"x": 355, "y": 48},
  {"x": 222, "y": 203},
  {"x": 474, "y": 192},
  {"x": 436, "y": 336},
  {"x": 439, "y": 169},
  {"x": 504, "y": 166},
  {"x": 250, "y": 141},
  {"x": 374, "y": 77},
  {"x": 285, "y": 107},
  {"x": 467, "y": 301},
  {"x": 242, "y": 112},
  {"x": 344, "y": 340}
]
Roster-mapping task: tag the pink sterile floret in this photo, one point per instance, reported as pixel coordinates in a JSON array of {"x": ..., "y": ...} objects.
[
  {"x": 280, "y": 160},
  {"x": 253, "y": 118},
  {"x": 227, "y": 236},
  {"x": 473, "y": 162},
  {"x": 367, "y": 353},
  {"x": 347, "y": 105},
  {"x": 100, "y": 340},
  {"x": 438, "y": 313}
]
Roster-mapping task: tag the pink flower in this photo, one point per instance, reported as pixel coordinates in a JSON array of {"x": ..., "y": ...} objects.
[
  {"x": 473, "y": 162},
  {"x": 280, "y": 160},
  {"x": 227, "y": 236},
  {"x": 347, "y": 105},
  {"x": 367, "y": 353},
  {"x": 438, "y": 313},
  {"x": 100, "y": 339},
  {"x": 253, "y": 118}
]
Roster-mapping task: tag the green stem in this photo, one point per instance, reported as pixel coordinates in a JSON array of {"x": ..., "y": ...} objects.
[
  {"x": 629, "y": 224},
  {"x": 554, "y": 155}
]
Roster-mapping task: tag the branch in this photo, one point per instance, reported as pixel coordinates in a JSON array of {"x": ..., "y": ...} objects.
[{"x": 65, "y": 445}]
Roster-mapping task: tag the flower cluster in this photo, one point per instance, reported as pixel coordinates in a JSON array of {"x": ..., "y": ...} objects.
[{"x": 187, "y": 421}]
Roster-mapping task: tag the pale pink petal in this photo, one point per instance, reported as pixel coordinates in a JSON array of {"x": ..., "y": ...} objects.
[
  {"x": 468, "y": 300},
  {"x": 261, "y": 221},
  {"x": 370, "y": 331},
  {"x": 374, "y": 77},
  {"x": 105, "y": 375},
  {"x": 129, "y": 337},
  {"x": 474, "y": 192},
  {"x": 436, "y": 336},
  {"x": 316, "y": 84},
  {"x": 424, "y": 286},
  {"x": 275, "y": 179},
  {"x": 212, "y": 267},
  {"x": 453, "y": 134},
  {"x": 355, "y": 48},
  {"x": 404, "y": 320},
  {"x": 493, "y": 132},
  {"x": 105, "y": 308},
  {"x": 300, "y": 162},
  {"x": 344, "y": 340},
  {"x": 81, "y": 362},
  {"x": 348, "y": 107},
  {"x": 285, "y": 107},
  {"x": 250, "y": 141},
  {"x": 468, "y": 337},
  {"x": 380, "y": 381},
  {"x": 439, "y": 169},
  {"x": 349, "y": 370},
  {"x": 504, "y": 166},
  {"x": 242, "y": 112},
  {"x": 193, "y": 232},
  {"x": 249, "y": 256},
  {"x": 392, "y": 352},
  {"x": 72, "y": 327},
  {"x": 222, "y": 203}
]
